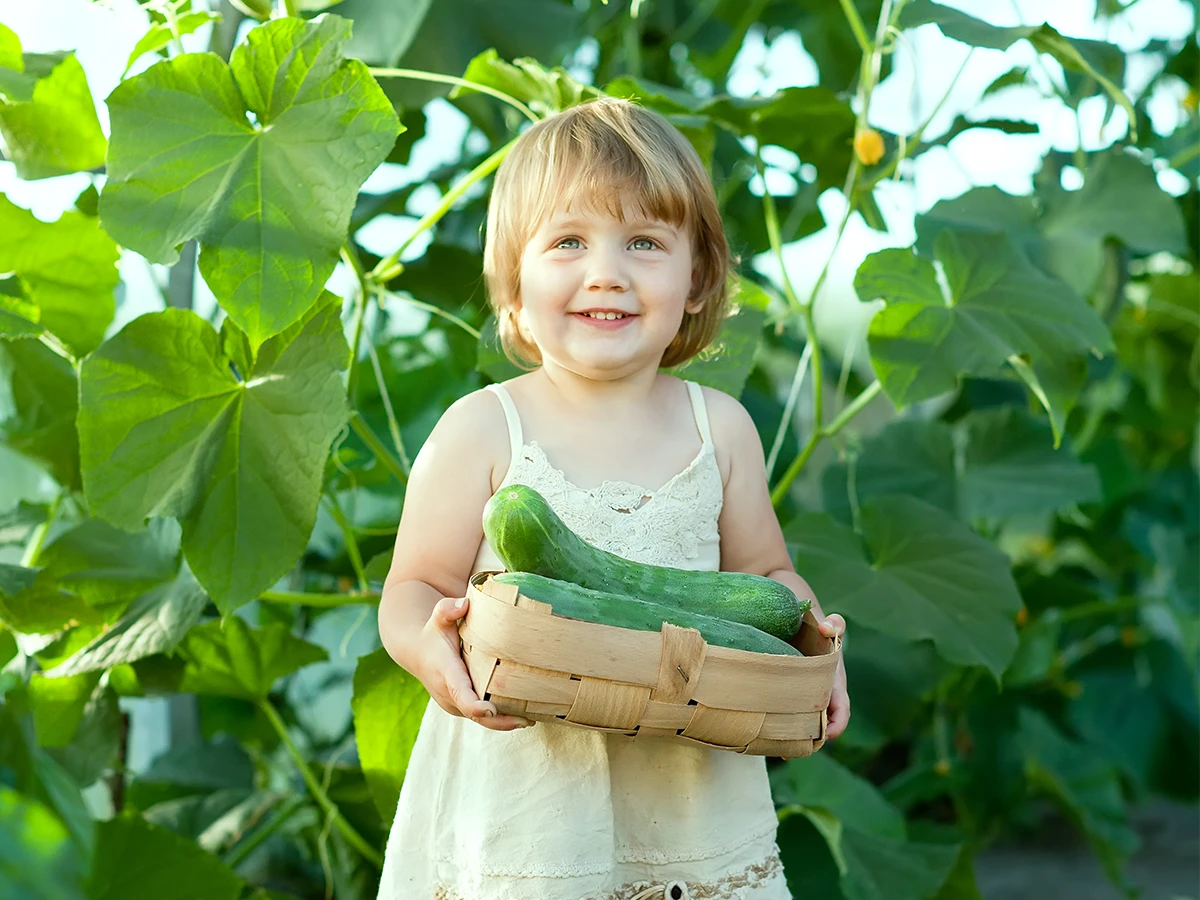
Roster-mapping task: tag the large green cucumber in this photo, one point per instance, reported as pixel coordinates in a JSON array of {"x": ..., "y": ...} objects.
[
  {"x": 528, "y": 536},
  {"x": 577, "y": 602}
]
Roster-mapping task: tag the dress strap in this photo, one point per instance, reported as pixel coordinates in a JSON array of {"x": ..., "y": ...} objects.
[
  {"x": 699, "y": 410},
  {"x": 515, "y": 438}
]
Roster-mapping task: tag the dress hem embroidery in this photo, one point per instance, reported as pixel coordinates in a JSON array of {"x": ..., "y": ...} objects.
[{"x": 732, "y": 886}]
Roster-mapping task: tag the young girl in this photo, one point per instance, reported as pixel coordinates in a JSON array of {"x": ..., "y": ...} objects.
[{"x": 605, "y": 260}]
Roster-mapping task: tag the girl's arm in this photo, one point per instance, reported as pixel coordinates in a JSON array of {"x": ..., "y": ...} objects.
[
  {"x": 440, "y": 529},
  {"x": 751, "y": 539}
]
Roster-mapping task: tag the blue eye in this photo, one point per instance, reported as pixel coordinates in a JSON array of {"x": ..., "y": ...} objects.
[
  {"x": 562, "y": 245},
  {"x": 650, "y": 245}
]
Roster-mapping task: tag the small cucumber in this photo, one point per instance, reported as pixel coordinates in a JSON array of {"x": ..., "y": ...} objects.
[
  {"x": 575, "y": 602},
  {"x": 528, "y": 536}
]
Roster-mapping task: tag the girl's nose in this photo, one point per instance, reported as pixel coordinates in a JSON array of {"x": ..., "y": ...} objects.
[{"x": 605, "y": 272}]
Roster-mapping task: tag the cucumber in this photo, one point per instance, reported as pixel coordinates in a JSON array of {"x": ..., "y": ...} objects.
[
  {"x": 528, "y": 536},
  {"x": 575, "y": 602}
]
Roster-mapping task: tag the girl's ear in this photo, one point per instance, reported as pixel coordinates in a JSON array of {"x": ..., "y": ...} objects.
[{"x": 693, "y": 306}]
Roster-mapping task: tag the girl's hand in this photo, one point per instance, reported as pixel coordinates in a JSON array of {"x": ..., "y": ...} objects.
[
  {"x": 839, "y": 701},
  {"x": 441, "y": 669}
]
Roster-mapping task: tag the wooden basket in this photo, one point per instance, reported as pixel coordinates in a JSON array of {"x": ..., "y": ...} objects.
[{"x": 668, "y": 684}]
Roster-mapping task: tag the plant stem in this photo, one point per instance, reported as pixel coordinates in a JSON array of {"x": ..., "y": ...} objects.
[
  {"x": 390, "y": 267},
  {"x": 772, "y": 220},
  {"x": 857, "y": 405},
  {"x": 857, "y": 26},
  {"x": 872, "y": 56},
  {"x": 37, "y": 539},
  {"x": 393, "y": 425},
  {"x": 436, "y": 310},
  {"x": 352, "y": 550},
  {"x": 278, "y": 819},
  {"x": 360, "y": 427},
  {"x": 352, "y": 837},
  {"x": 350, "y": 258},
  {"x": 417, "y": 75}
]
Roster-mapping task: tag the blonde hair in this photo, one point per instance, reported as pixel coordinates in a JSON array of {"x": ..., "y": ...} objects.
[{"x": 597, "y": 154}]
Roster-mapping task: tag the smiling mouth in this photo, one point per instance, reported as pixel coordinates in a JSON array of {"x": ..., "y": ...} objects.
[{"x": 607, "y": 315}]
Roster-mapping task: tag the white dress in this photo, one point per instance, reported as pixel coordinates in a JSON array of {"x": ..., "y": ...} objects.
[{"x": 559, "y": 812}]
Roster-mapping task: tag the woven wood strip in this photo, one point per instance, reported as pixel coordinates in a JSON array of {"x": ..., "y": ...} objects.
[
  {"x": 549, "y": 642},
  {"x": 724, "y": 727},
  {"x": 792, "y": 727},
  {"x": 683, "y": 652},
  {"x": 547, "y": 710},
  {"x": 767, "y": 683},
  {"x": 789, "y": 749},
  {"x": 669, "y": 716},
  {"x": 608, "y": 704},
  {"x": 515, "y": 680}
]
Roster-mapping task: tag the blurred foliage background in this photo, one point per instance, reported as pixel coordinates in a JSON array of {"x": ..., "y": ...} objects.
[{"x": 240, "y": 253}]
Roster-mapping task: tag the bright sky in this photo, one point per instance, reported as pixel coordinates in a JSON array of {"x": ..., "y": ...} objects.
[{"x": 103, "y": 33}]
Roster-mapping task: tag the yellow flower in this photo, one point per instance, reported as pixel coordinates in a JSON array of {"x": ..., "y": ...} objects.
[{"x": 868, "y": 146}]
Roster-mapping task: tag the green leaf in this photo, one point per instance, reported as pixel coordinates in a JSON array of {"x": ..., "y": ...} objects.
[
  {"x": 1094, "y": 58},
  {"x": 1012, "y": 467},
  {"x": 154, "y": 623},
  {"x": 388, "y": 706},
  {"x": 57, "y": 705},
  {"x": 193, "y": 769},
  {"x": 47, "y": 115},
  {"x": 70, "y": 268},
  {"x": 921, "y": 575},
  {"x": 1003, "y": 465},
  {"x": 882, "y": 869},
  {"x": 231, "y": 659},
  {"x": 866, "y": 835},
  {"x": 32, "y": 603},
  {"x": 108, "y": 567},
  {"x": 445, "y": 36},
  {"x": 268, "y": 199},
  {"x": 137, "y": 859},
  {"x": 237, "y": 456},
  {"x": 39, "y": 400},
  {"x": 999, "y": 305},
  {"x": 544, "y": 91},
  {"x": 161, "y": 33},
  {"x": 822, "y": 782},
  {"x": 1056, "y": 382},
  {"x": 1120, "y": 200},
  {"x": 725, "y": 364},
  {"x": 37, "y": 859},
  {"x": 95, "y": 746},
  {"x": 1083, "y": 784}
]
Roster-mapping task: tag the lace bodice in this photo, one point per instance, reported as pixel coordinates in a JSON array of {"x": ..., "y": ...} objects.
[{"x": 674, "y": 525}]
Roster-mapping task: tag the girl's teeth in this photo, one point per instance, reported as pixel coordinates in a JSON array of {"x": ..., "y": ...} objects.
[{"x": 605, "y": 315}]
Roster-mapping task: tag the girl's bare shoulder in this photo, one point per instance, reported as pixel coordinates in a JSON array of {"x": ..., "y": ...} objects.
[
  {"x": 471, "y": 434},
  {"x": 733, "y": 430}
]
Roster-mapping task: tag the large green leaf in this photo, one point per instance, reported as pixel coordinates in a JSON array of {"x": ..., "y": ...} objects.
[
  {"x": 70, "y": 268},
  {"x": 1065, "y": 231},
  {"x": 917, "y": 574},
  {"x": 544, "y": 91},
  {"x": 174, "y": 423},
  {"x": 39, "y": 399},
  {"x": 47, "y": 115},
  {"x": 154, "y": 623},
  {"x": 231, "y": 659},
  {"x": 866, "y": 835},
  {"x": 811, "y": 121},
  {"x": 135, "y": 859},
  {"x": 36, "y": 856},
  {"x": 108, "y": 567},
  {"x": 33, "y": 603},
  {"x": 725, "y": 364},
  {"x": 388, "y": 706},
  {"x": 1102, "y": 61},
  {"x": 260, "y": 160},
  {"x": 999, "y": 305},
  {"x": 1083, "y": 784},
  {"x": 445, "y": 36},
  {"x": 1004, "y": 465}
]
